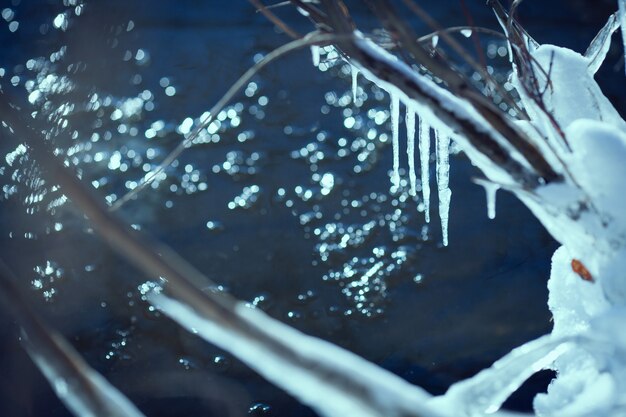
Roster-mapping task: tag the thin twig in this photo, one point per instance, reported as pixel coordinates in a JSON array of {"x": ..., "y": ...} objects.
[
  {"x": 275, "y": 19},
  {"x": 475, "y": 37},
  {"x": 86, "y": 392},
  {"x": 530, "y": 169},
  {"x": 458, "y": 48},
  {"x": 457, "y": 29},
  {"x": 311, "y": 39}
]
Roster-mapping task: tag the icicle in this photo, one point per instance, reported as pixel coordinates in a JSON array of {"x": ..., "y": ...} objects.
[
  {"x": 410, "y": 148},
  {"x": 315, "y": 55},
  {"x": 491, "y": 201},
  {"x": 490, "y": 190},
  {"x": 395, "y": 127},
  {"x": 424, "y": 145},
  {"x": 355, "y": 74},
  {"x": 443, "y": 173},
  {"x": 622, "y": 20}
]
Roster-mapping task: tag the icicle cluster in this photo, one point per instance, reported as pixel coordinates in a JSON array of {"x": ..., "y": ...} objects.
[
  {"x": 419, "y": 123},
  {"x": 442, "y": 139}
]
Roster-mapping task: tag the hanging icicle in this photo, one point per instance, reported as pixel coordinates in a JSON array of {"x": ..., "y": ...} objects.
[
  {"x": 410, "y": 149},
  {"x": 424, "y": 146},
  {"x": 355, "y": 75},
  {"x": 395, "y": 128},
  {"x": 315, "y": 55},
  {"x": 442, "y": 149},
  {"x": 490, "y": 190}
]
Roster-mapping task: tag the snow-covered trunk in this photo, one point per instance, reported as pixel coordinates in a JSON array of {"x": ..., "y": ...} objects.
[{"x": 585, "y": 213}]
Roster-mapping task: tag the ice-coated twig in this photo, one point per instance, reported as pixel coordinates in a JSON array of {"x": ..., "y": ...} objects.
[
  {"x": 485, "y": 393},
  {"x": 84, "y": 391},
  {"x": 410, "y": 149},
  {"x": 599, "y": 46},
  {"x": 311, "y": 39},
  {"x": 333, "y": 381}
]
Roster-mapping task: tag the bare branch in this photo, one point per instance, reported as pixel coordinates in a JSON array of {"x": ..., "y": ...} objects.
[
  {"x": 78, "y": 386},
  {"x": 275, "y": 19},
  {"x": 484, "y": 142},
  {"x": 310, "y": 39}
]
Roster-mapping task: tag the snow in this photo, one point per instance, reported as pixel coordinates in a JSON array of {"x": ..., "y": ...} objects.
[
  {"x": 572, "y": 93},
  {"x": 598, "y": 165},
  {"x": 395, "y": 132},
  {"x": 410, "y": 150},
  {"x": 442, "y": 149},
  {"x": 424, "y": 145}
]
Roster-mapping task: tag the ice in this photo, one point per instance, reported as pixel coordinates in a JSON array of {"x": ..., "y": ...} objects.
[
  {"x": 442, "y": 149},
  {"x": 424, "y": 145},
  {"x": 315, "y": 55},
  {"x": 491, "y": 200},
  {"x": 486, "y": 392},
  {"x": 395, "y": 130},
  {"x": 490, "y": 190},
  {"x": 355, "y": 85},
  {"x": 622, "y": 20},
  {"x": 601, "y": 43},
  {"x": 410, "y": 149}
]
